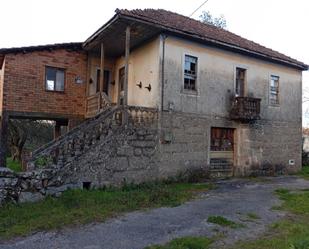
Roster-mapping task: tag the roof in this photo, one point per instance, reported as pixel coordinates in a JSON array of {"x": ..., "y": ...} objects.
[
  {"x": 194, "y": 29},
  {"x": 48, "y": 47}
]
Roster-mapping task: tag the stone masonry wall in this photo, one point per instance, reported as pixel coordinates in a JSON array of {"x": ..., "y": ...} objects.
[
  {"x": 262, "y": 147},
  {"x": 103, "y": 152},
  {"x": 100, "y": 152}
]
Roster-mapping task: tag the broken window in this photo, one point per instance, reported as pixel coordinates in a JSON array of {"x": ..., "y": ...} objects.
[
  {"x": 274, "y": 90},
  {"x": 190, "y": 73},
  {"x": 54, "y": 79},
  {"x": 222, "y": 139},
  {"x": 240, "y": 81}
]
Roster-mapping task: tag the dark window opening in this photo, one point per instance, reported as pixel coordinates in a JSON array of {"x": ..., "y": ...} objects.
[
  {"x": 87, "y": 185},
  {"x": 240, "y": 81},
  {"x": 98, "y": 80},
  {"x": 190, "y": 73},
  {"x": 274, "y": 90},
  {"x": 54, "y": 79},
  {"x": 105, "y": 83}
]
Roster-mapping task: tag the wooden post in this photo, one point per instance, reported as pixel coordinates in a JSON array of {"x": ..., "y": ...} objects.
[
  {"x": 101, "y": 75},
  {"x": 3, "y": 138},
  {"x": 88, "y": 80},
  {"x": 88, "y": 73},
  {"x": 57, "y": 130},
  {"x": 126, "y": 74}
]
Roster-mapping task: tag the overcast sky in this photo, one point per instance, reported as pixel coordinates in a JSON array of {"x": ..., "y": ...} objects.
[{"x": 280, "y": 25}]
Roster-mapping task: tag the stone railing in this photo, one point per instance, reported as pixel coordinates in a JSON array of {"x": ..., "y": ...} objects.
[
  {"x": 137, "y": 116},
  {"x": 245, "y": 108},
  {"x": 105, "y": 102},
  {"x": 66, "y": 148}
]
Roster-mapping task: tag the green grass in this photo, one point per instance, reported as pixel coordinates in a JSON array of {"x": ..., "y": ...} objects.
[
  {"x": 185, "y": 243},
  {"x": 304, "y": 172},
  {"x": 222, "y": 221},
  {"x": 13, "y": 165},
  {"x": 290, "y": 233},
  {"x": 80, "y": 206}
]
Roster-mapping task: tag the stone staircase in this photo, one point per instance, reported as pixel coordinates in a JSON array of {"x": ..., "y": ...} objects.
[
  {"x": 221, "y": 170},
  {"x": 88, "y": 134}
]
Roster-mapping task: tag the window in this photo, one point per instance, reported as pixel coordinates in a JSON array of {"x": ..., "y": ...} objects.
[
  {"x": 105, "y": 83},
  {"x": 98, "y": 80},
  {"x": 274, "y": 90},
  {"x": 240, "y": 81},
  {"x": 222, "y": 139},
  {"x": 190, "y": 73},
  {"x": 54, "y": 79}
]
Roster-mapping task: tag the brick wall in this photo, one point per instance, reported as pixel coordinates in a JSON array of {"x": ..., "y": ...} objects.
[
  {"x": 24, "y": 83},
  {"x": 1, "y": 84}
]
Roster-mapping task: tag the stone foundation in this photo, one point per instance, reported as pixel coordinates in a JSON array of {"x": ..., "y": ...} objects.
[{"x": 103, "y": 152}]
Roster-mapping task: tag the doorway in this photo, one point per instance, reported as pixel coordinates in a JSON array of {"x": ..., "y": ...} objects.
[
  {"x": 222, "y": 148},
  {"x": 121, "y": 74},
  {"x": 240, "y": 81}
]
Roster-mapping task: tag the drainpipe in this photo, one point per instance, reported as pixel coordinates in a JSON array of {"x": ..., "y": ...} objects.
[{"x": 162, "y": 71}]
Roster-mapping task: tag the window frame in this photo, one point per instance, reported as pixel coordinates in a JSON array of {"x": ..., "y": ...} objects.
[
  {"x": 245, "y": 67},
  {"x": 271, "y": 76},
  {"x": 183, "y": 89},
  {"x": 64, "y": 79},
  {"x": 244, "y": 83}
]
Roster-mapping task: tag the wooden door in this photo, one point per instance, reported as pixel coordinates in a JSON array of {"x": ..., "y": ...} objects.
[{"x": 222, "y": 148}]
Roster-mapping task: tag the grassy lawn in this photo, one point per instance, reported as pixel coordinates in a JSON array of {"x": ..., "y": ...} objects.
[
  {"x": 290, "y": 233},
  {"x": 80, "y": 206},
  {"x": 13, "y": 165},
  {"x": 185, "y": 243}
]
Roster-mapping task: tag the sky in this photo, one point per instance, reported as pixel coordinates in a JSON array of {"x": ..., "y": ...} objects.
[{"x": 278, "y": 24}]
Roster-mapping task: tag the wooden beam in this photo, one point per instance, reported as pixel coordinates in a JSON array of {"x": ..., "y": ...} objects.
[
  {"x": 88, "y": 73},
  {"x": 126, "y": 72},
  {"x": 126, "y": 67},
  {"x": 57, "y": 130},
  {"x": 101, "y": 75},
  {"x": 4, "y": 123}
]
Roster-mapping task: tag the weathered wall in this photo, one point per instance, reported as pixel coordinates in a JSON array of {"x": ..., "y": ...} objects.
[
  {"x": 275, "y": 139},
  {"x": 216, "y": 79},
  {"x": 1, "y": 85},
  {"x": 262, "y": 148},
  {"x": 143, "y": 67},
  {"x": 24, "y": 83}
]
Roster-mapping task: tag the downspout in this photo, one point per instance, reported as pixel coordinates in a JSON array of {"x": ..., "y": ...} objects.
[{"x": 162, "y": 71}]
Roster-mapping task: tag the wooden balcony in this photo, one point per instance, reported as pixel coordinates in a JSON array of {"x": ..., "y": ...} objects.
[
  {"x": 245, "y": 109},
  {"x": 95, "y": 105}
]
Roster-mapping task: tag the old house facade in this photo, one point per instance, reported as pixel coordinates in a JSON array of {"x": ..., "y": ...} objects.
[{"x": 185, "y": 94}]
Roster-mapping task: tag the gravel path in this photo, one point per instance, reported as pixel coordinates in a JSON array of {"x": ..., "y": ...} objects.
[{"x": 233, "y": 199}]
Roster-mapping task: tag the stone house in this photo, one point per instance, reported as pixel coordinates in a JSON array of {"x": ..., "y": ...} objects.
[{"x": 153, "y": 93}]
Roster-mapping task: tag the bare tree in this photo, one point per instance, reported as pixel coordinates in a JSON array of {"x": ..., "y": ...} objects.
[
  {"x": 27, "y": 133},
  {"x": 220, "y": 21}
]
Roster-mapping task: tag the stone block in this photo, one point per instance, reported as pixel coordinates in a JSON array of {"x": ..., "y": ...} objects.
[{"x": 30, "y": 197}]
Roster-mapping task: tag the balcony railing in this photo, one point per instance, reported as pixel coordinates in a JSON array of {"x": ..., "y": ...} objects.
[
  {"x": 94, "y": 105},
  {"x": 245, "y": 109}
]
